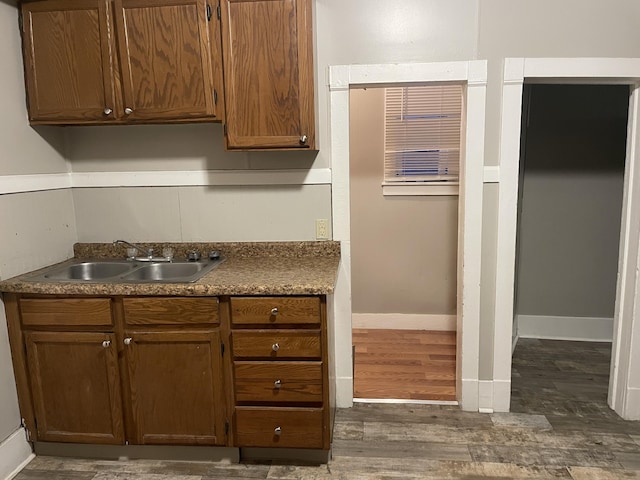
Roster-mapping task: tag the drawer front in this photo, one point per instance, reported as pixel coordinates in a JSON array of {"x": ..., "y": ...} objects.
[
  {"x": 279, "y": 427},
  {"x": 276, "y": 344},
  {"x": 171, "y": 310},
  {"x": 66, "y": 311},
  {"x": 275, "y": 310},
  {"x": 278, "y": 382}
]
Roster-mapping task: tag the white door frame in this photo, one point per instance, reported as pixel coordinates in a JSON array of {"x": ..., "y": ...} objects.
[
  {"x": 624, "y": 387},
  {"x": 474, "y": 75}
]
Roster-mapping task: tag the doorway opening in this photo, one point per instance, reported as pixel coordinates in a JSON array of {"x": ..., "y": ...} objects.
[
  {"x": 404, "y": 246},
  {"x": 571, "y": 179},
  {"x": 624, "y": 391}
]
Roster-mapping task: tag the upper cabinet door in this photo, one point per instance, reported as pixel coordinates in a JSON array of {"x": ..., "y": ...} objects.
[
  {"x": 165, "y": 58},
  {"x": 268, "y": 74},
  {"x": 69, "y": 61}
]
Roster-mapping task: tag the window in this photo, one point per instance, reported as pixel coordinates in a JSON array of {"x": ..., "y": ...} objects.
[{"x": 422, "y": 138}]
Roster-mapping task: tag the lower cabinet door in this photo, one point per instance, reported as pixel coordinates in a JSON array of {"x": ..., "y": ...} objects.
[
  {"x": 76, "y": 386},
  {"x": 279, "y": 427},
  {"x": 175, "y": 383}
]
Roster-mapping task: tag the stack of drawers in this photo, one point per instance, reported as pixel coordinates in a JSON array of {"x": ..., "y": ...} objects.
[{"x": 280, "y": 372}]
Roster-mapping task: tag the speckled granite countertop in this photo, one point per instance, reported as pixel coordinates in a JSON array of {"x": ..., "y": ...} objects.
[{"x": 262, "y": 268}]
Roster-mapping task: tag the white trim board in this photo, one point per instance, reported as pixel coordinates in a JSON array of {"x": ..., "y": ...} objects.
[
  {"x": 57, "y": 181},
  {"x": 34, "y": 183},
  {"x": 404, "y": 321},
  {"x": 15, "y": 454},
  {"x": 582, "y": 329}
]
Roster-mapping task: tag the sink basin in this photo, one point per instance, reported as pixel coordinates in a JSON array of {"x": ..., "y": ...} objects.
[
  {"x": 122, "y": 271},
  {"x": 169, "y": 272},
  {"x": 89, "y": 271}
]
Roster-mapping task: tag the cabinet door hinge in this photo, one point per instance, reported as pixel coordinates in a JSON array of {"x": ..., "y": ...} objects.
[
  {"x": 215, "y": 96},
  {"x": 23, "y": 424},
  {"x": 218, "y": 12},
  {"x": 226, "y": 427},
  {"x": 208, "y": 12},
  {"x": 222, "y": 348},
  {"x": 224, "y": 128}
]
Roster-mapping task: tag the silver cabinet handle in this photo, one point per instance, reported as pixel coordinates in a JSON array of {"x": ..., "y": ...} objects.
[
  {"x": 303, "y": 139},
  {"x": 128, "y": 111},
  {"x": 107, "y": 111},
  {"x": 275, "y": 347},
  {"x": 274, "y": 311},
  {"x": 277, "y": 431},
  {"x": 106, "y": 343},
  {"x": 277, "y": 384},
  {"x": 127, "y": 341}
]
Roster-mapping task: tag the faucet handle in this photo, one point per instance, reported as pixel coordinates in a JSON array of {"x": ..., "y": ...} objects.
[
  {"x": 150, "y": 252},
  {"x": 193, "y": 256}
]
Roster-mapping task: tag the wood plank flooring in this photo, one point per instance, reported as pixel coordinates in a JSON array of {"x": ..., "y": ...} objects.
[
  {"x": 562, "y": 432},
  {"x": 404, "y": 364}
]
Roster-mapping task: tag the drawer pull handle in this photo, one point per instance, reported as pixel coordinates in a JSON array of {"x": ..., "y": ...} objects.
[
  {"x": 127, "y": 341},
  {"x": 277, "y": 431},
  {"x": 275, "y": 347},
  {"x": 274, "y": 311},
  {"x": 106, "y": 343},
  {"x": 277, "y": 384}
]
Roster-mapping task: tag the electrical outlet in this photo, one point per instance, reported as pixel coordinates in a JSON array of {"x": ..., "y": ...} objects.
[{"x": 322, "y": 229}]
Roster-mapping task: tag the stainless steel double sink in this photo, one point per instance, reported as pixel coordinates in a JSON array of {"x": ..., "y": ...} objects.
[{"x": 126, "y": 271}]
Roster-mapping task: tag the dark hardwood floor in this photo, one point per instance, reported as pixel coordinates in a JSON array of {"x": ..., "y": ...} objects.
[{"x": 404, "y": 364}]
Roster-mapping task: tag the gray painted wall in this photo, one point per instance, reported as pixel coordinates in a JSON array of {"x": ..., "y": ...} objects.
[
  {"x": 403, "y": 249},
  {"x": 571, "y": 206}
]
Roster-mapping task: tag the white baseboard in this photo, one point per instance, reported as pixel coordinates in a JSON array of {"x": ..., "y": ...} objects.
[
  {"x": 15, "y": 453},
  {"x": 468, "y": 395},
  {"x": 585, "y": 329},
  {"x": 402, "y": 321},
  {"x": 485, "y": 396},
  {"x": 501, "y": 395},
  {"x": 632, "y": 404},
  {"x": 494, "y": 396},
  {"x": 344, "y": 392}
]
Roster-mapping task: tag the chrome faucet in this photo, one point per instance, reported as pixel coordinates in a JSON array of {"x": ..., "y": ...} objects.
[{"x": 147, "y": 253}]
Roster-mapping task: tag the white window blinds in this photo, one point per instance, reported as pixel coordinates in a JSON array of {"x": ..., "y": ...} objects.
[{"x": 422, "y": 133}]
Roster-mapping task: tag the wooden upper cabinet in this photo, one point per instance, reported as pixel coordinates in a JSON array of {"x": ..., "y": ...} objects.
[
  {"x": 69, "y": 57},
  {"x": 268, "y": 74},
  {"x": 165, "y": 57},
  {"x": 120, "y": 61}
]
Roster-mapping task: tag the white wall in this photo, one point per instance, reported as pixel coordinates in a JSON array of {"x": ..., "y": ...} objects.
[{"x": 37, "y": 228}]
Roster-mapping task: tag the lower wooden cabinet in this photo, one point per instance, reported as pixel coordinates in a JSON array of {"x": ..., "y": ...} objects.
[
  {"x": 279, "y": 427},
  {"x": 239, "y": 371},
  {"x": 89, "y": 370},
  {"x": 175, "y": 383},
  {"x": 75, "y": 386},
  {"x": 280, "y": 372}
]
